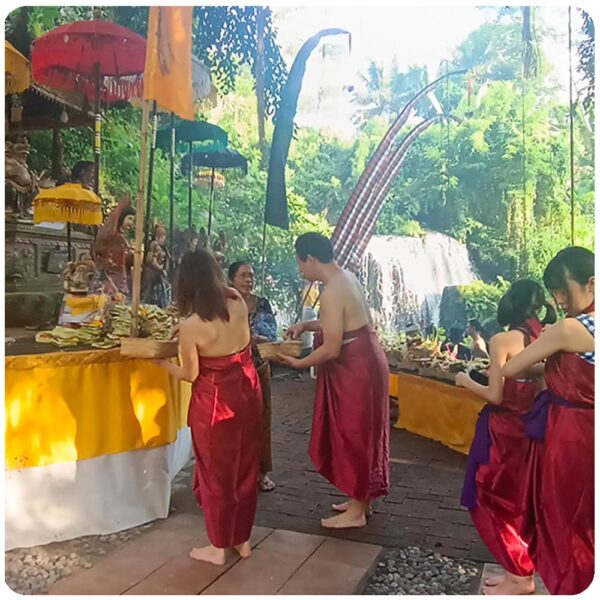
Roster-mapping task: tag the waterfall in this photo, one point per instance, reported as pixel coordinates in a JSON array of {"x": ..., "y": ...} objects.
[{"x": 404, "y": 277}]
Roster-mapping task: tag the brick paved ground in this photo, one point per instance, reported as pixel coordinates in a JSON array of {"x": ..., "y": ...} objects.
[{"x": 423, "y": 506}]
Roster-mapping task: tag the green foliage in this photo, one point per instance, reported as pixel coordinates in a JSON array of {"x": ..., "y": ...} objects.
[
  {"x": 509, "y": 202},
  {"x": 481, "y": 299}
]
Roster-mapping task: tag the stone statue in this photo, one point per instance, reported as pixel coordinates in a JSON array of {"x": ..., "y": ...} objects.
[
  {"x": 81, "y": 276},
  {"x": 114, "y": 252},
  {"x": 22, "y": 184},
  {"x": 81, "y": 303}
]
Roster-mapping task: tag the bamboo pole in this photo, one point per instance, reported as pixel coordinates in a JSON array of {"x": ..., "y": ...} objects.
[
  {"x": 172, "y": 192},
  {"x": 139, "y": 222},
  {"x": 210, "y": 200},
  {"x": 147, "y": 220}
]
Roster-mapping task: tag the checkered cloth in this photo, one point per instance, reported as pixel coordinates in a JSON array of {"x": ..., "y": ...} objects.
[{"x": 589, "y": 323}]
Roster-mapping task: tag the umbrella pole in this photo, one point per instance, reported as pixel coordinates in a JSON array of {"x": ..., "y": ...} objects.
[
  {"x": 69, "y": 242},
  {"x": 263, "y": 258},
  {"x": 97, "y": 139},
  {"x": 139, "y": 223},
  {"x": 190, "y": 187},
  {"x": 97, "y": 129},
  {"x": 154, "y": 120},
  {"x": 211, "y": 194},
  {"x": 172, "y": 188}
]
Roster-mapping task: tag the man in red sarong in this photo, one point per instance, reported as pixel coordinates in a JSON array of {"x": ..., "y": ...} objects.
[{"x": 349, "y": 444}]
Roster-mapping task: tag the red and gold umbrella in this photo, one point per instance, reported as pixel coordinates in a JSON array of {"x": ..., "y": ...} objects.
[{"x": 103, "y": 60}]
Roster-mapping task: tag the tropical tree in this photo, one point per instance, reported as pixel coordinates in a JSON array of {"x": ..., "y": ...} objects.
[{"x": 384, "y": 94}]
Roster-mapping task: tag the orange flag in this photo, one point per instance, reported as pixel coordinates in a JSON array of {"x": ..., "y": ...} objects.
[{"x": 168, "y": 72}]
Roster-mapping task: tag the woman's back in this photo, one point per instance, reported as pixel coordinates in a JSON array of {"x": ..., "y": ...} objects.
[{"x": 219, "y": 337}]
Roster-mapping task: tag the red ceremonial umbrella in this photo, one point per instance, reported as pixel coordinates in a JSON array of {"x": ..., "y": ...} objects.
[{"x": 103, "y": 60}]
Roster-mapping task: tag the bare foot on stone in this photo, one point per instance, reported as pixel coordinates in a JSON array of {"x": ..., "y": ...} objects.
[
  {"x": 244, "y": 550},
  {"x": 209, "y": 554},
  {"x": 345, "y": 505},
  {"x": 346, "y": 520},
  {"x": 492, "y": 581},
  {"x": 510, "y": 585}
]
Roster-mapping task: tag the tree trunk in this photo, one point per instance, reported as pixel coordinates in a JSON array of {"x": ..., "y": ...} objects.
[{"x": 259, "y": 78}]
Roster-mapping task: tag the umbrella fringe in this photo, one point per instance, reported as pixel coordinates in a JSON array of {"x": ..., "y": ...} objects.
[
  {"x": 113, "y": 88},
  {"x": 61, "y": 211}
]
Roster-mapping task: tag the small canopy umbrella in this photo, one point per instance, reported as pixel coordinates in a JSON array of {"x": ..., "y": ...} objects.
[
  {"x": 68, "y": 203},
  {"x": 183, "y": 134},
  {"x": 17, "y": 70},
  {"x": 103, "y": 60},
  {"x": 213, "y": 158},
  {"x": 165, "y": 138}
]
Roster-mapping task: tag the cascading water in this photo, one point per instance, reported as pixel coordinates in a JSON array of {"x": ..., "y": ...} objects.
[{"x": 404, "y": 277}]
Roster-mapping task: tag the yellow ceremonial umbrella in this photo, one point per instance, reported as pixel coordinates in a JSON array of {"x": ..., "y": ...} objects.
[
  {"x": 68, "y": 203},
  {"x": 17, "y": 70}
]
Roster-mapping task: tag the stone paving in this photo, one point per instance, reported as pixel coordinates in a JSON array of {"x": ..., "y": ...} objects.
[
  {"x": 282, "y": 562},
  {"x": 422, "y": 509}
]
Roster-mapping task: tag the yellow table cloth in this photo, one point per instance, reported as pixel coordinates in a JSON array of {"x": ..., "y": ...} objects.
[
  {"x": 79, "y": 405},
  {"x": 436, "y": 410},
  {"x": 93, "y": 442}
]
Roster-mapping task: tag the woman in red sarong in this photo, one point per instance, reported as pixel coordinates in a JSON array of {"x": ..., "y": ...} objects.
[
  {"x": 496, "y": 468},
  {"x": 226, "y": 404},
  {"x": 349, "y": 442},
  {"x": 560, "y": 464}
]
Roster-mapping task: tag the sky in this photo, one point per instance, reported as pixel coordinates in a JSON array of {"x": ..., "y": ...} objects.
[{"x": 419, "y": 36}]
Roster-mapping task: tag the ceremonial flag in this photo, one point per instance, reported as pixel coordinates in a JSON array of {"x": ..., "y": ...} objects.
[{"x": 168, "y": 72}]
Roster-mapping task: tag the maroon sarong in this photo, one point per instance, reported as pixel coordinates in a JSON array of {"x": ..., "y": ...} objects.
[
  {"x": 349, "y": 444},
  {"x": 560, "y": 476},
  {"x": 224, "y": 416}
]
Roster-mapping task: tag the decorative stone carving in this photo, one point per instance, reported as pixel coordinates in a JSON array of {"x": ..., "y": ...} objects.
[{"x": 21, "y": 183}]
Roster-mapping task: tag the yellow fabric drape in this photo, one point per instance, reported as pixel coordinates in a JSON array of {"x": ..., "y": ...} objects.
[
  {"x": 436, "y": 410},
  {"x": 17, "y": 70},
  {"x": 63, "y": 407},
  {"x": 168, "y": 72}
]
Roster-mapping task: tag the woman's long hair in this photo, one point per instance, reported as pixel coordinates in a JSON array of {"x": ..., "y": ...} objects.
[
  {"x": 201, "y": 288},
  {"x": 524, "y": 300}
]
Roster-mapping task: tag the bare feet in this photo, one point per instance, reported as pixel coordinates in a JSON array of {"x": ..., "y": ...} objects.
[
  {"x": 210, "y": 554},
  {"x": 510, "y": 585},
  {"x": 355, "y": 515},
  {"x": 492, "y": 581},
  {"x": 343, "y": 507},
  {"x": 244, "y": 550},
  {"x": 266, "y": 484}
]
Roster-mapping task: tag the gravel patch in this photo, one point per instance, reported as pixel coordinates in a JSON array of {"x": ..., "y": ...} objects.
[
  {"x": 415, "y": 571},
  {"x": 34, "y": 570}
]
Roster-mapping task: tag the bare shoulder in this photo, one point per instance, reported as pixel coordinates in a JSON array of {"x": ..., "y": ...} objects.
[{"x": 504, "y": 340}]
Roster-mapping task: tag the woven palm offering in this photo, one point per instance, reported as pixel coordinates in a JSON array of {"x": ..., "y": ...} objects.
[{"x": 269, "y": 351}]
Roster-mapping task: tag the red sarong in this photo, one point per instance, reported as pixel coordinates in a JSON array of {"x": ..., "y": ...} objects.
[
  {"x": 560, "y": 476},
  {"x": 349, "y": 444},
  {"x": 500, "y": 511},
  {"x": 224, "y": 416}
]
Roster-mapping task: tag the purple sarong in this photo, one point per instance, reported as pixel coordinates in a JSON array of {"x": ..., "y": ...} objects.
[{"x": 479, "y": 454}]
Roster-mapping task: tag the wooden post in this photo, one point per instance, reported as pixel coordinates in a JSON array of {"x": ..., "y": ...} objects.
[
  {"x": 210, "y": 200},
  {"x": 172, "y": 192},
  {"x": 139, "y": 223},
  {"x": 147, "y": 225},
  {"x": 190, "y": 186}
]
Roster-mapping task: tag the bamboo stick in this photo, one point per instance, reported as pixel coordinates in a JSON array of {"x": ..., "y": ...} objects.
[{"x": 139, "y": 222}]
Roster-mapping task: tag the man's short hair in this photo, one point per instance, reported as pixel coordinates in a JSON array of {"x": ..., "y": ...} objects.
[
  {"x": 80, "y": 168},
  {"x": 315, "y": 245}
]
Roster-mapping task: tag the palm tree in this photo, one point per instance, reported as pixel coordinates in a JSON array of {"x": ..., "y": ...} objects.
[{"x": 384, "y": 94}]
